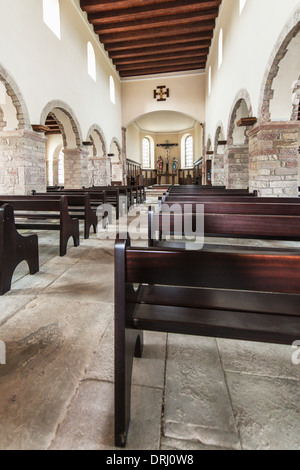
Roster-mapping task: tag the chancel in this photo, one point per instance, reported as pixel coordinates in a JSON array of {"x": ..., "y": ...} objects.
[{"x": 149, "y": 226}]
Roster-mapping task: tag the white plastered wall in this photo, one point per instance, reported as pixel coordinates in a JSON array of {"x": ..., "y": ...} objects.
[
  {"x": 46, "y": 68},
  {"x": 187, "y": 96},
  {"x": 248, "y": 42}
]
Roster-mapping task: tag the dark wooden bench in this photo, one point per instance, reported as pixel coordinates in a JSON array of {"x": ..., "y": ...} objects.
[
  {"x": 80, "y": 207},
  {"x": 100, "y": 197},
  {"x": 251, "y": 295},
  {"x": 14, "y": 248},
  {"x": 280, "y": 207},
  {"x": 223, "y": 198},
  {"x": 229, "y": 225},
  {"x": 36, "y": 213}
]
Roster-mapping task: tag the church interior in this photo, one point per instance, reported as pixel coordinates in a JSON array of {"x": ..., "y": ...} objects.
[{"x": 110, "y": 110}]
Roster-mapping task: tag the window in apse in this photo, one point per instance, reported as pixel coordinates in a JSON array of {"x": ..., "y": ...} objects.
[{"x": 146, "y": 153}]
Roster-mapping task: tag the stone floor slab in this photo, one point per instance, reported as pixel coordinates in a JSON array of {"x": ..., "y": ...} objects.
[{"x": 266, "y": 411}]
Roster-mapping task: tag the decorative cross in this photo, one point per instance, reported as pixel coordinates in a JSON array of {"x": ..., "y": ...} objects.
[{"x": 161, "y": 93}]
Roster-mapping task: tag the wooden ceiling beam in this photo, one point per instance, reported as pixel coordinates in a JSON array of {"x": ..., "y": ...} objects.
[
  {"x": 160, "y": 63},
  {"x": 178, "y": 21},
  {"x": 203, "y": 38},
  {"x": 157, "y": 32},
  {"x": 148, "y": 11},
  {"x": 108, "y": 5},
  {"x": 162, "y": 56},
  {"x": 159, "y": 70},
  {"x": 145, "y": 52}
]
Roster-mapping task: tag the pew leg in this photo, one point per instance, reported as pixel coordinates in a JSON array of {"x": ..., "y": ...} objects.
[
  {"x": 126, "y": 347},
  {"x": 66, "y": 231},
  {"x": 14, "y": 248}
]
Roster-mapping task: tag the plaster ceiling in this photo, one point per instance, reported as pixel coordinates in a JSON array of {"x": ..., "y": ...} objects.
[{"x": 164, "y": 122}]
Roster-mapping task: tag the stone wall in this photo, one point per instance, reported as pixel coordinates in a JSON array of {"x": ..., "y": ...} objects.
[
  {"x": 236, "y": 166},
  {"x": 99, "y": 171},
  {"x": 76, "y": 168},
  {"x": 218, "y": 176},
  {"x": 273, "y": 149},
  {"x": 22, "y": 162}
]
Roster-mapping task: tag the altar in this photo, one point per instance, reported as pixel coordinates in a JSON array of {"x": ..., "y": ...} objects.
[{"x": 167, "y": 178}]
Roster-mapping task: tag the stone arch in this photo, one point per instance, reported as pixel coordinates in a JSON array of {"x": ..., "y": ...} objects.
[
  {"x": 75, "y": 156},
  {"x": 236, "y": 158},
  {"x": 296, "y": 101},
  {"x": 15, "y": 94},
  {"x": 96, "y": 136},
  {"x": 117, "y": 167},
  {"x": 241, "y": 105},
  {"x": 218, "y": 160},
  {"x": 67, "y": 121},
  {"x": 115, "y": 148},
  {"x": 280, "y": 50},
  {"x": 219, "y": 136}
]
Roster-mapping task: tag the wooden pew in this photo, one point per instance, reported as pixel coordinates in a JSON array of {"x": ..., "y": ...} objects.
[
  {"x": 253, "y": 295},
  {"x": 230, "y": 225},
  {"x": 223, "y": 198},
  {"x": 80, "y": 207},
  {"x": 233, "y": 207},
  {"x": 34, "y": 213},
  {"x": 14, "y": 248},
  {"x": 112, "y": 197}
]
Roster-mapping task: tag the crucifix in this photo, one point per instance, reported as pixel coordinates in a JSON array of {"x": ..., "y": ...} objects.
[{"x": 167, "y": 146}]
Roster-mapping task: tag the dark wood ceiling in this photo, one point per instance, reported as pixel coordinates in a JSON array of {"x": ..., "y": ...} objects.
[{"x": 145, "y": 37}]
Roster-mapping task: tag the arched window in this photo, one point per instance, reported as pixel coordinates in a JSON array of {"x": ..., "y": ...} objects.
[
  {"x": 209, "y": 80},
  {"x": 51, "y": 15},
  {"x": 189, "y": 152},
  {"x": 61, "y": 168},
  {"x": 146, "y": 154},
  {"x": 112, "y": 90},
  {"x": 91, "y": 61},
  {"x": 220, "y": 52},
  {"x": 242, "y": 4}
]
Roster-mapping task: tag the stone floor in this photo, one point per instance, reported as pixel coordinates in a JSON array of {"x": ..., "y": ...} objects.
[{"x": 189, "y": 393}]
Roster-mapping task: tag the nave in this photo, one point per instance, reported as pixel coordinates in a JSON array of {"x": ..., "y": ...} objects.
[{"x": 188, "y": 392}]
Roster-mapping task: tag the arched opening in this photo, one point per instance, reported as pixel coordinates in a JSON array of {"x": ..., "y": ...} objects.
[
  {"x": 99, "y": 165},
  {"x": 64, "y": 132},
  {"x": 172, "y": 158},
  {"x": 237, "y": 152},
  {"x": 20, "y": 146},
  {"x": 218, "y": 161},
  {"x": 277, "y": 138}
]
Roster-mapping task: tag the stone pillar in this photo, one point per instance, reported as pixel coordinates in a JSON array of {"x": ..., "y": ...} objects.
[
  {"x": 218, "y": 170},
  {"x": 22, "y": 162},
  {"x": 124, "y": 156},
  {"x": 273, "y": 148},
  {"x": 236, "y": 167},
  {"x": 100, "y": 171},
  {"x": 76, "y": 168}
]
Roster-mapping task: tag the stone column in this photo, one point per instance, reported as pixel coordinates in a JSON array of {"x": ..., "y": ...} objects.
[
  {"x": 124, "y": 156},
  {"x": 273, "y": 148},
  {"x": 218, "y": 170},
  {"x": 22, "y": 162},
  {"x": 100, "y": 171},
  {"x": 236, "y": 167},
  {"x": 76, "y": 168}
]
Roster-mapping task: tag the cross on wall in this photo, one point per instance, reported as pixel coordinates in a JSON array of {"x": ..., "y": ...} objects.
[{"x": 161, "y": 93}]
